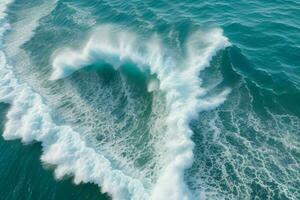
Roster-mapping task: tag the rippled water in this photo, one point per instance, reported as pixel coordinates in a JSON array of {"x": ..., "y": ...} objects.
[{"x": 150, "y": 99}]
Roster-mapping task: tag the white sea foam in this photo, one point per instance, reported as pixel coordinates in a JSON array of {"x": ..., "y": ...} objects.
[
  {"x": 178, "y": 79},
  {"x": 29, "y": 118},
  {"x": 30, "y": 17},
  {"x": 82, "y": 16}
]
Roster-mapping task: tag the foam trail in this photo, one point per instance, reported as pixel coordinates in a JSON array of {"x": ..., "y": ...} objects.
[
  {"x": 184, "y": 98},
  {"x": 178, "y": 79},
  {"x": 30, "y": 17},
  {"x": 30, "y": 119}
]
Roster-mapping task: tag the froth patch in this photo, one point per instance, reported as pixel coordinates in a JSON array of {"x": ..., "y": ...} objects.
[
  {"x": 30, "y": 118},
  {"x": 177, "y": 78}
]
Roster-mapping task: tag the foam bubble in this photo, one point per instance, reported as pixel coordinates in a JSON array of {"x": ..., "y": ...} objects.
[{"x": 153, "y": 85}]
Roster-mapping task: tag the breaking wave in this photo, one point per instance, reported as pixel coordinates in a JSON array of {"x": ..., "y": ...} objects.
[
  {"x": 178, "y": 79},
  {"x": 30, "y": 118}
]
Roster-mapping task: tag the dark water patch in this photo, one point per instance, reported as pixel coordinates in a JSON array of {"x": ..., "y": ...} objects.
[{"x": 273, "y": 91}]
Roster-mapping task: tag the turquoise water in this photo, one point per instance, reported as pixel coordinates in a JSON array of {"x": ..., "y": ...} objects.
[
  {"x": 23, "y": 176},
  {"x": 149, "y": 99}
]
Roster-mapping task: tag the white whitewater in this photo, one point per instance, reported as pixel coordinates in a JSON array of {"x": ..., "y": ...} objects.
[
  {"x": 29, "y": 118},
  {"x": 179, "y": 80}
]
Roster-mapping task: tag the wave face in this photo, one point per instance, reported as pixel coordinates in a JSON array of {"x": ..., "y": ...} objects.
[{"x": 150, "y": 100}]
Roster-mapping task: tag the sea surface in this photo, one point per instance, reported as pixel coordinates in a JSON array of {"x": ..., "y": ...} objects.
[{"x": 150, "y": 99}]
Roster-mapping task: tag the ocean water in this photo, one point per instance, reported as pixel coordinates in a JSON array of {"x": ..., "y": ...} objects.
[{"x": 150, "y": 99}]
